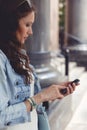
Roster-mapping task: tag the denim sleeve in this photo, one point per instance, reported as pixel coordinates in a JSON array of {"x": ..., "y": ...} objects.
[{"x": 8, "y": 113}]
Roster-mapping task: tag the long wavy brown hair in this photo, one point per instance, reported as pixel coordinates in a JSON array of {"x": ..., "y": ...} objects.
[{"x": 9, "y": 17}]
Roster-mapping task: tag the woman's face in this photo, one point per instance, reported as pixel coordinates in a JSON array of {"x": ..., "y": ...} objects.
[{"x": 25, "y": 27}]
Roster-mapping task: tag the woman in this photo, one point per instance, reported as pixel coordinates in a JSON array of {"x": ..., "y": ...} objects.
[{"x": 20, "y": 92}]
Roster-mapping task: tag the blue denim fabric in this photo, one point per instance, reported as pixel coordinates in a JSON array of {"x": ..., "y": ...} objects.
[{"x": 13, "y": 92}]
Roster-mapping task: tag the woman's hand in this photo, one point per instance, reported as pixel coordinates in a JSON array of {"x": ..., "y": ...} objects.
[
  {"x": 53, "y": 92},
  {"x": 49, "y": 94},
  {"x": 71, "y": 86}
]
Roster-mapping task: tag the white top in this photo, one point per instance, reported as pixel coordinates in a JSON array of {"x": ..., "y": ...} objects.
[{"x": 34, "y": 120}]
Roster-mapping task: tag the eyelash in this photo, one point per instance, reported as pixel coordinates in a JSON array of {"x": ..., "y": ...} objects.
[{"x": 28, "y": 25}]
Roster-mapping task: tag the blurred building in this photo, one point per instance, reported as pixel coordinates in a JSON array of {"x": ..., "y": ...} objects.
[{"x": 76, "y": 30}]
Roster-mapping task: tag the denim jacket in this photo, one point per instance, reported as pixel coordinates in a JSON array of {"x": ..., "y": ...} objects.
[{"x": 13, "y": 92}]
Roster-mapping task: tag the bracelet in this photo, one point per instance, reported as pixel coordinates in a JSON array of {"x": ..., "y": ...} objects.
[{"x": 32, "y": 103}]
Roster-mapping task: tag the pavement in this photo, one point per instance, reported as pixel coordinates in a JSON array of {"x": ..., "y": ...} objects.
[
  {"x": 79, "y": 119},
  {"x": 70, "y": 113}
]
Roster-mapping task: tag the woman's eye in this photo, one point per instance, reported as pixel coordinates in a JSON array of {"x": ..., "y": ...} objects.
[{"x": 28, "y": 25}]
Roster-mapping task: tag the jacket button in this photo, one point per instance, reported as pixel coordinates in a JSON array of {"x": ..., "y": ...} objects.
[
  {"x": 8, "y": 123},
  {"x": 17, "y": 96},
  {"x": 17, "y": 83}
]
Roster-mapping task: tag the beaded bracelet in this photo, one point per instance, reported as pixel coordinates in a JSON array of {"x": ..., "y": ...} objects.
[{"x": 32, "y": 103}]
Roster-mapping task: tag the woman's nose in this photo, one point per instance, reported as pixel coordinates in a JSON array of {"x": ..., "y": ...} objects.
[{"x": 30, "y": 31}]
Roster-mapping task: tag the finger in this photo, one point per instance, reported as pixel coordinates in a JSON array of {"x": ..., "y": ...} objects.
[
  {"x": 74, "y": 86},
  {"x": 71, "y": 89},
  {"x": 65, "y": 83},
  {"x": 62, "y": 87},
  {"x": 61, "y": 96},
  {"x": 68, "y": 91}
]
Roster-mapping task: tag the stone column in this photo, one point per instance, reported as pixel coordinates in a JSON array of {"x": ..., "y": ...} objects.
[
  {"x": 76, "y": 19},
  {"x": 54, "y": 25}
]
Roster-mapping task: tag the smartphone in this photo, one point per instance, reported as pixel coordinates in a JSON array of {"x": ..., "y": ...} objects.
[
  {"x": 64, "y": 91},
  {"x": 76, "y": 81}
]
